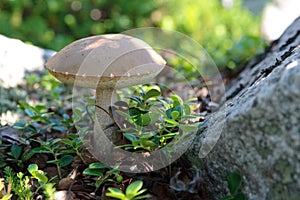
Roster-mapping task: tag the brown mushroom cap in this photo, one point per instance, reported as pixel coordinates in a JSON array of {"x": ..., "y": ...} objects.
[{"x": 112, "y": 60}]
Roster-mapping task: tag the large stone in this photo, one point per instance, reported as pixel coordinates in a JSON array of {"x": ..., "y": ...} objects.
[
  {"x": 17, "y": 57},
  {"x": 260, "y": 123}
]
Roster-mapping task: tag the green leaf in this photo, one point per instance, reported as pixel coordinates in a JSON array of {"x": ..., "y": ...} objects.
[
  {"x": 139, "y": 193},
  {"x": 124, "y": 114},
  {"x": 187, "y": 128},
  {"x": 40, "y": 150},
  {"x": 228, "y": 197},
  {"x": 16, "y": 151},
  {"x": 170, "y": 110},
  {"x": 142, "y": 90},
  {"x": 147, "y": 135},
  {"x": 98, "y": 165},
  {"x": 73, "y": 136},
  {"x": 115, "y": 193},
  {"x": 146, "y": 119},
  {"x": 178, "y": 109},
  {"x": 234, "y": 181},
  {"x": 90, "y": 100},
  {"x": 136, "y": 99},
  {"x": 172, "y": 122},
  {"x": 175, "y": 114},
  {"x": 68, "y": 151},
  {"x": 186, "y": 109},
  {"x": 27, "y": 155},
  {"x": 136, "y": 111},
  {"x": 138, "y": 120},
  {"x": 151, "y": 93},
  {"x": 53, "y": 161},
  {"x": 134, "y": 187},
  {"x": 240, "y": 196},
  {"x": 54, "y": 141},
  {"x": 32, "y": 168},
  {"x": 7, "y": 197},
  {"x": 154, "y": 116},
  {"x": 2, "y": 164},
  {"x": 40, "y": 107},
  {"x": 130, "y": 137},
  {"x": 20, "y": 124},
  {"x": 135, "y": 143},
  {"x": 67, "y": 141},
  {"x": 24, "y": 105},
  {"x": 42, "y": 179},
  {"x": 164, "y": 103},
  {"x": 65, "y": 160},
  {"x": 177, "y": 101},
  {"x": 59, "y": 128},
  {"x": 49, "y": 190},
  {"x": 169, "y": 135},
  {"x": 30, "y": 113},
  {"x": 93, "y": 172},
  {"x": 113, "y": 171},
  {"x": 143, "y": 197},
  {"x": 147, "y": 143},
  {"x": 77, "y": 112}
]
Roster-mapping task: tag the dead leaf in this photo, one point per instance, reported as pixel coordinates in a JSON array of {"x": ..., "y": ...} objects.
[
  {"x": 67, "y": 182},
  {"x": 10, "y": 135}
]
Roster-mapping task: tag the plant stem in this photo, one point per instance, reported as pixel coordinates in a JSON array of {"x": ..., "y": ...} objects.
[{"x": 79, "y": 154}]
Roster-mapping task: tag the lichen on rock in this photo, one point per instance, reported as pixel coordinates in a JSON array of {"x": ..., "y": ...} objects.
[{"x": 260, "y": 131}]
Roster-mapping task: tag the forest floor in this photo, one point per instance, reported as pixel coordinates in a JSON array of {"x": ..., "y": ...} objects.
[{"x": 24, "y": 128}]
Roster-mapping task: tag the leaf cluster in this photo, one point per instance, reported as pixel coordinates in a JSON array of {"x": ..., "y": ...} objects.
[
  {"x": 103, "y": 173},
  {"x": 133, "y": 191},
  {"x": 21, "y": 185},
  {"x": 152, "y": 121}
]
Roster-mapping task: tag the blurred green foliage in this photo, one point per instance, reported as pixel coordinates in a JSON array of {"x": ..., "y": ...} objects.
[
  {"x": 229, "y": 35},
  {"x": 55, "y": 23}
]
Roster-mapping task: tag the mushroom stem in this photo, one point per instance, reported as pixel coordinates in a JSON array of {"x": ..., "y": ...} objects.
[{"x": 103, "y": 113}]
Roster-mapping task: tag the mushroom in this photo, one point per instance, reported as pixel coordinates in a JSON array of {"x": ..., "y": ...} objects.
[{"x": 105, "y": 63}]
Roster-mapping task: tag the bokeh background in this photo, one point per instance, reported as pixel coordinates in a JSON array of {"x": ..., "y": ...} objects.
[{"x": 228, "y": 30}]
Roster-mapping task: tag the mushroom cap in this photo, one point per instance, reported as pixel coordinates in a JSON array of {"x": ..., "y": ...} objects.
[{"x": 106, "y": 61}]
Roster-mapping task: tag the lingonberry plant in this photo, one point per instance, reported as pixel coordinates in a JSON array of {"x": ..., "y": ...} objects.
[
  {"x": 152, "y": 121},
  {"x": 134, "y": 191}
]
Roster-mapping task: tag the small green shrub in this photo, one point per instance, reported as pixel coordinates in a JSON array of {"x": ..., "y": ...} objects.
[
  {"x": 44, "y": 183},
  {"x": 22, "y": 187},
  {"x": 153, "y": 121},
  {"x": 134, "y": 191},
  {"x": 19, "y": 184},
  {"x": 103, "y": 173}
]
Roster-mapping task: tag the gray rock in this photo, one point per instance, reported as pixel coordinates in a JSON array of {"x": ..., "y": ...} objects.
[
  {"x": 16, "y": 58},
  {"x": 260, "y": 127}
]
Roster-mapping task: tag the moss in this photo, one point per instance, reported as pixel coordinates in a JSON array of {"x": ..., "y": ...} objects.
[
  {"x": 264, "y": 152},
  {"x": 271, "y": 129},
  {"x": 280, "y": 192},
  {"x": 286, "y": 171}
]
